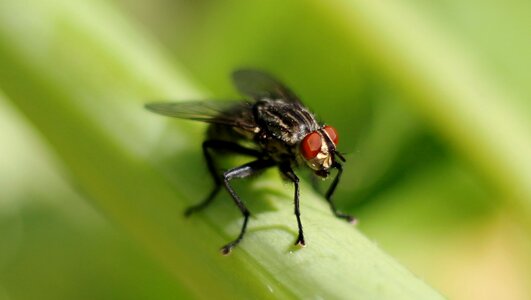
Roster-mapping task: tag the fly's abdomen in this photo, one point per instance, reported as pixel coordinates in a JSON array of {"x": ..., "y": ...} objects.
[{"x": 229, "y": 133}]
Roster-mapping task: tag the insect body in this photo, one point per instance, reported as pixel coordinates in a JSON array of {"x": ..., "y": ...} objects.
[{"x": 285, "y": 134}]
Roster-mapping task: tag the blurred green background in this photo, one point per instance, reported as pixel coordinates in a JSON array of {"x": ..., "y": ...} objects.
[{"x": 431, "y": 101}]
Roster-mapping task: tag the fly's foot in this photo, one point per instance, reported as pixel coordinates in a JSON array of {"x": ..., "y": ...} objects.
[
  {"x": 351, "y": 219},
  {"x": 227, "y": 249},
  {"x": 300, "y": 241},
  {"x": 192, "y": 209}
]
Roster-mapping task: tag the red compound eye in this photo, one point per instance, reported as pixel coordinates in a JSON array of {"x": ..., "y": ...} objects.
[
  {"x": 332, "y": 133},
  {"x": 311, "y": 145}
]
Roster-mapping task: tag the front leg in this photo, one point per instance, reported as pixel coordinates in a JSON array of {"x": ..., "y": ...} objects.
[
  {"x": 331, "y": 191},
  {"x": 288, "y": 172}
]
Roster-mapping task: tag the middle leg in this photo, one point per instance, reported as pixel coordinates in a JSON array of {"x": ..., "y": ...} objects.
[
  {"x": 243, "y": 171},
  {"x": 288, "y": 172}
]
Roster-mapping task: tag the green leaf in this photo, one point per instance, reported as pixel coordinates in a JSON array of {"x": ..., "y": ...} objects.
[{"x": 80, "y": 72}]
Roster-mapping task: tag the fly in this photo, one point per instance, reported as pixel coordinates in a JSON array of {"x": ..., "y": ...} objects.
[{"x": 282, "y": 133}]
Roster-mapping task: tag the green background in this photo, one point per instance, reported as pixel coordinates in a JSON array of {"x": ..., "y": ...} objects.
[{"x": 431, "y": 101}]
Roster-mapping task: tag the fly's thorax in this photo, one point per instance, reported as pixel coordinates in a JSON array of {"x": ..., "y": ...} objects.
[
  {"x": 288, "y": 122},
  {"x": 273, "y": 147}
]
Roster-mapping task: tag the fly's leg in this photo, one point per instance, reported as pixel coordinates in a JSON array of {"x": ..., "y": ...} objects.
[
  {"x": 217, "y": 145},
  {"x": 331, "y": 191},
  {"x": 288, "y": 172},
  {"x": 243, "y": 171}
]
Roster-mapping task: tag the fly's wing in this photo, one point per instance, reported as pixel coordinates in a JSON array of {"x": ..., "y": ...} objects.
[
  {"x": 259, "y": 85},
  {"x": 231, "y": 113}
]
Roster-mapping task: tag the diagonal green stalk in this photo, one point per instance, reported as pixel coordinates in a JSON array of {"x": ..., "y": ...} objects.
[{"x": 80, "y": 72}]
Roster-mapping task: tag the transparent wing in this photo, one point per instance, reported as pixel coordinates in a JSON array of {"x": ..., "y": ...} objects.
[
  {"x": 232, "y": 113},
  {"x": 259, "y": 85}
]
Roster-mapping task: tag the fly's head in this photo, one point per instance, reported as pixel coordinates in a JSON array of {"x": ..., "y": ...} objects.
[{"x": 318, "y": 149}]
